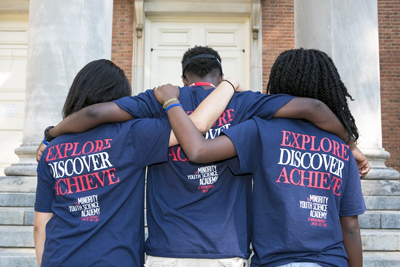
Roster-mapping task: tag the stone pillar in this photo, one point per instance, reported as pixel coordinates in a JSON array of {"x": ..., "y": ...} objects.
[
  {"x": 348, "y": 32},
  {"x": 63, "y": 37}
]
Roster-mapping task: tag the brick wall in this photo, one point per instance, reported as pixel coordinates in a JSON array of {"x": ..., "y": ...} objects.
[
  {"x": 277, "y": 32},
  {"x": 389, "y": 57},
  {"x": 122, "y": 36}
]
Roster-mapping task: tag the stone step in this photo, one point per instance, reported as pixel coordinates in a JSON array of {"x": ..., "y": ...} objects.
[
  {"x": 380, "y": 219},
  {"x": 381, "y": 172},
  {"x": 372, "y": 239},
  {"x": 380, "y": 187},
  {"x": 18, "y": 184},
  {"x": 17, "y": 199},
  {"x": 18, "y": 257},
  {"x": 380, "y": 240},
  {"x": 16, "y": 236},
  {"x": 16, "y": 215},
  {"x": 381, "y": 259},
  {"x": 382, "y": 202}
]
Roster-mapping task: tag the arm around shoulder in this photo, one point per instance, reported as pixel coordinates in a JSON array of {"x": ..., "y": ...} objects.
[
  {"x": 316, "y": 112},
  {"x": 90, "y": 117}
]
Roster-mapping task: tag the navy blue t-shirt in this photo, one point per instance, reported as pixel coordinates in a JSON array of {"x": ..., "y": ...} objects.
[
  {"x": 93, "y": 183},
  {"x": 199, "y": 210},
  {"x": 304, "y": 180}
]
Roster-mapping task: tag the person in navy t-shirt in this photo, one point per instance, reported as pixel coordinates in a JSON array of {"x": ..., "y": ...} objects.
[
  {"x": 201, "y": 211},
  {"x": 90, "y": 191},
  {"x": 307, "y": 191}
]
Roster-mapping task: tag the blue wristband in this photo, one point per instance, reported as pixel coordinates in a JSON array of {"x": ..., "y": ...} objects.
[
  {"x": 45, "y": 142},
  {"x": 171, "y": 106}
]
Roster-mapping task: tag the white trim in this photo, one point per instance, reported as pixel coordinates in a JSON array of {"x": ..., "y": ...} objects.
[{"x": 216, "y": 11}]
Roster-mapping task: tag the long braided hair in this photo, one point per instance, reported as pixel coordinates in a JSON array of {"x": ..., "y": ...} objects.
[{"x": 312, "y": 73}]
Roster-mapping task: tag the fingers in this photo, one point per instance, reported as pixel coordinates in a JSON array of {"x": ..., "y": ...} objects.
[
  {"x": 38, "y": 155},
  {"x": 363, "y": 168},
  {"x": 39, "y": 151}
]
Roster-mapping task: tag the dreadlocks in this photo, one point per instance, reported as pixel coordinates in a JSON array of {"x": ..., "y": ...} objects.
[
  {"x": 312, "y": 73},
  {"x": 202, "y": 66}
]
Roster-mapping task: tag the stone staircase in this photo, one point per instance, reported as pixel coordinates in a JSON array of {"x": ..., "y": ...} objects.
[
  {"x": 17, "y": 196},
  {"x": 380, "y": 225}
]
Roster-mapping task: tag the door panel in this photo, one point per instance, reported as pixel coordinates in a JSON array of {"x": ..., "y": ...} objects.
[{"x": 167, "y": 41}]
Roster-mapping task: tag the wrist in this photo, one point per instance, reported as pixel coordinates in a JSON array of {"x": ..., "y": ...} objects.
[
  {"x": 47, "y": 136},
  {"x": 351, "y": 144},
  {"x": 171, "y": 105},
  {"x": 234, "y": 87},
  {"x": 170, "y": 101}
]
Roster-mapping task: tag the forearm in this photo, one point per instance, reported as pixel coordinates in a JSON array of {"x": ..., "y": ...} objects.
[
  {"x": 211, "y": 108},
  {"x": 39, "y": 233},
  {"x": 39, "y": 246},
  {"x": 322, "y": 117},
  {"x": 315, "y": 112},
  {"x": 184, "y": 130},
  {"x": 90, "y": 117},
  {"x": 352, "y": 240},
  {"x": 196, "y": 148}
]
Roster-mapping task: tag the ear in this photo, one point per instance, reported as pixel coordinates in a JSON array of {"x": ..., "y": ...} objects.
[{"x": 184, "y": 81}]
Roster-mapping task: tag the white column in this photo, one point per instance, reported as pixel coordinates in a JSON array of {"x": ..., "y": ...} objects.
[
  {"x": 348, "y": 32},
  {"x": 63, "y": 37}
]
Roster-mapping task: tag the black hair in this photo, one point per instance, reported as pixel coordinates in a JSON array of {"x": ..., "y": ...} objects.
[
  {"x": 202, "y": 66},
  {"x": 99, "y": 81},
  {"x": 312, "y": 73}
]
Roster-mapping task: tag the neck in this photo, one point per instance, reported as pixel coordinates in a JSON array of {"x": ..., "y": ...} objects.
[
  {"x": 206, "y": 79},
  {"x": 205, "y": 85}
]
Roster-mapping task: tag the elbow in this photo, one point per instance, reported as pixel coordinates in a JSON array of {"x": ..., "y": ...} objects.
[
  {"x": 315, "y": 105},
  {"x": 203, "y": 129},
  {"x": 196, "y": 154},
  {"x": 350, "y": 226},
  {"x": 92, "y": 112},
  {"x": 312, "y": 108},
  {"x": 37, "y": 227},
  {"x": 353, "y": 231},
  {"x": 36, "y": 230}
]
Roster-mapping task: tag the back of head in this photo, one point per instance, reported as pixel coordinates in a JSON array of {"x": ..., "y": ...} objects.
[
  {"x": 312, "y": 73},
  {"x": 201, "y": 61},
  {"x": 99, "y": 81}
]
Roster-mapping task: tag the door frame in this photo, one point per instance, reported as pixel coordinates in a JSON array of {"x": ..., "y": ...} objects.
[{"x": 221, "y": 9}]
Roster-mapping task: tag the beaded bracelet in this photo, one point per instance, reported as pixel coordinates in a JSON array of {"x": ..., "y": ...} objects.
[
  {"x": 171, "y": 106},
  {"x": 230, "y": 84},
  {"x": 168, "y": 101}
]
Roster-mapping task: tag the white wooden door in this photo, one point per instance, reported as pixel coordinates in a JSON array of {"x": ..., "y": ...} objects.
[
  {"x": 13, "y": 53},
  {"x": 166, "y": 42}
]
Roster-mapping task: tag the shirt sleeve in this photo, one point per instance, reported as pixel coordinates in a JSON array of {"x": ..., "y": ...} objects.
[
  {"x": 352, "y": 201},
  {"x": 256, "y": 104},
  {"x": 246, "y": 140},
  {"x": 45, "y": 186},
  {"x": 150, "y": 139},
  {"x": 143, "y": 105}
]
